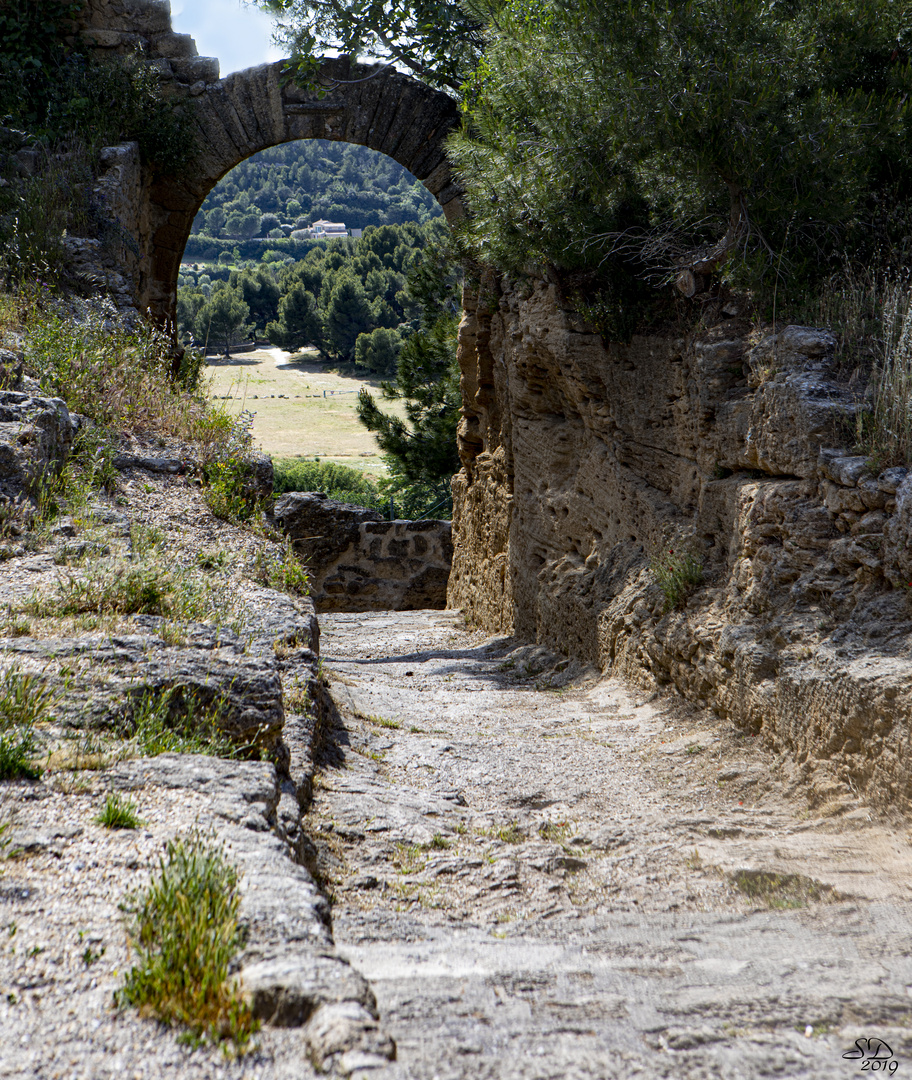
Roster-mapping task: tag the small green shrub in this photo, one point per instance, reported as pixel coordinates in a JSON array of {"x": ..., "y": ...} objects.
[
  {"x": 118, "y": 813},
  {"x": 185, "y": 931},
  {"x": 678, "y": 572},
  {"x": 336, "y": 481},
  {"x": 227, "y": 494}
]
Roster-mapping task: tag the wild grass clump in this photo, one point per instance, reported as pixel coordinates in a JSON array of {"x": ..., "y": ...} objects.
[
  {"x": 678, "y": 572},
  {"x": 118, "y": 813},
  {"x": 887, "y": 434},
  {"x": 117, "y": 588},
  {"x": 176, "y": 721},
  {"x": 25, "y": 701},
  {"x": 283, "y": 571},
  {"x": 185, "y": 931},
  {"x": 122, "y": 379}
]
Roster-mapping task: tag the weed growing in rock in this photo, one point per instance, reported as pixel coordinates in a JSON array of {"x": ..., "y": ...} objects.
[
  {"x": 510, "y": 834},
  {"x": 145, "y": 540},
  {"x": 438, "y": 842},
  {"x": 554, "y": 831},
  {"x": 118, "y": 813},
  {"x": 780, "y": 891},
  {"x": 381, "y": 721},
  {"x": 175, "y": 721},
  {"x": 284, "y": 571},
  {"x": 24, "y": 701},
  {"x": 184, "y": 928},
  {"x": 17, "y": 751},
  {"x": 409, "y": 858},
  {"x": 212, "y": 559},
  {"x": 677, "y": 572}
]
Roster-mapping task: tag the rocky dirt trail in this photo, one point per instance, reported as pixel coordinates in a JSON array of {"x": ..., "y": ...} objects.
[{"x": 547, "y": 876}]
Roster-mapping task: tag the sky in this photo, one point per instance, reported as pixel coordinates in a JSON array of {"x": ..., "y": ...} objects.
[{"x": 240, "y": 36}]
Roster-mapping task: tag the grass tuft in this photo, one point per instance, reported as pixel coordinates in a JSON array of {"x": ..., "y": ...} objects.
[
  {"x": 24, "y": 701},
  {"x": 118, "y": 814},
  {"x": 185, "y": 931},
  {"x": 780, "y": 891},
  {"x": 175, "y": 721},
  {"x": 284, "y": 572},
  {"x": 677, "y": 572}
]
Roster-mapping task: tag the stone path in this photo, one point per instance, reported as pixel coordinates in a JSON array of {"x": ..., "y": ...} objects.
[{"x": 544, "y": 877}]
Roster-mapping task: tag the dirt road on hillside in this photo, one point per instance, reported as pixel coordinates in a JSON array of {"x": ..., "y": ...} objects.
[{"x": 551, "y": 881}]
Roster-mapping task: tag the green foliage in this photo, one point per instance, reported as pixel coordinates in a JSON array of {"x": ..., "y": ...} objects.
[
  {"x": 378, "y": 351},
  {"x": 31, "y": 51},
  {"x": 224, "y": 319},
  {"x": 422, "y": 449},
  {"x": 678, "y": 572},
  {"x": 150, "y": 586},
  {"x": 283, "y": 571},
  {"x": 25, "y": 700},
  {"x": 175, "y": 721},
  {"x": 185, "y": 931},
  {"x": 299, "y": 323},
  {"x": 336, "y": 481},
  {"x": 347, "y": 316},
  {"x": 733, "y": 139},
  {"x": 118, "y": 813},
  {"x": 17, "y": 750},
  {"x": 301, "y": 182},
  {"x": 260, "y": 291},
  {"x": 119, "y": 379},
  {"x": 438, "y": 41}
]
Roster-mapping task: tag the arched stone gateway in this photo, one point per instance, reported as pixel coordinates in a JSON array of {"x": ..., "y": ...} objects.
[
  {"x": 236, "y": 117},
  {"x": 252, "y": 111}
]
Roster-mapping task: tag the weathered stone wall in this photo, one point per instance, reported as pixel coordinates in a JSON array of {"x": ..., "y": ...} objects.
[
  {"x": 581, "y": 461},
  {"x": 359, "y": 562}
]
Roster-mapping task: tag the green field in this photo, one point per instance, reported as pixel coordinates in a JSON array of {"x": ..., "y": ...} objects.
[{"x": 293, "y": 418}]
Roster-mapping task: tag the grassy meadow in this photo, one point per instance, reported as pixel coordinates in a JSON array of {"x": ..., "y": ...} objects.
[{"x": 292, "y": 417}]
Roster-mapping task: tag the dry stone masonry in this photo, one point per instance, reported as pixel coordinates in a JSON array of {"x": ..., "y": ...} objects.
[
  {"x": 581, "y": 462},
  {"x": 236, "y": 117},
  {"x": 359, "y": 562}
]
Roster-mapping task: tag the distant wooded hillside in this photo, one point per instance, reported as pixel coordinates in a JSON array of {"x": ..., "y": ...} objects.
[{"x": 293, "y": 185}]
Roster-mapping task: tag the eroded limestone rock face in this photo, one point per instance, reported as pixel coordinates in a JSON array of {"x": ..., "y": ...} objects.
[
  {"x": 36, "y": 434},
  {"x": 582, "y": 462},
  {"x": 359, "y": 562}
]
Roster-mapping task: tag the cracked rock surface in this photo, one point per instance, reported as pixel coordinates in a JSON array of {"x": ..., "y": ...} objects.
[{"x": 546, "y": 875}]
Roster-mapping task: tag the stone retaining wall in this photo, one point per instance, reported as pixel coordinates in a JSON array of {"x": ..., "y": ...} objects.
[{"x": 359, "y": 562}]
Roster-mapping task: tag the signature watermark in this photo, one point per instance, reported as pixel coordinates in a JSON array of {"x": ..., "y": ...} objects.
[{"x": 873, "y": 1055}]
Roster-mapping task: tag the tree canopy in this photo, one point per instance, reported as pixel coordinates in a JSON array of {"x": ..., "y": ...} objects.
[
  {"x": 676, "y": 137},
  {"x": 439, "y": 41}
]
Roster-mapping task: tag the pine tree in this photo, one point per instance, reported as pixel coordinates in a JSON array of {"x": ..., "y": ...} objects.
[
  {"x": 347, "y": 315},
  {"x": 299, "y": 323}
]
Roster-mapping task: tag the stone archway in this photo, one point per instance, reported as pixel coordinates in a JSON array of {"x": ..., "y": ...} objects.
[{"x": 251, "y": 111}]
